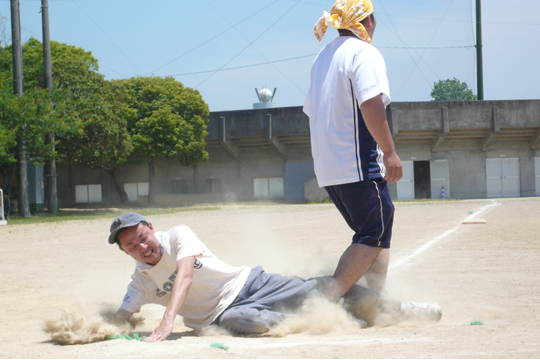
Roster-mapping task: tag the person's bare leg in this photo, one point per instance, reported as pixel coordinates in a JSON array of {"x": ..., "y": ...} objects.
[
  {"x": 352, "y": 265},
  {"x": 376, "y": 275}
]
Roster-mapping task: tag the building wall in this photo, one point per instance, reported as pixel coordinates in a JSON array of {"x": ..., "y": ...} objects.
[
  {"x": 296, "y": 174},
  {"x": 467, "y": 165},
  {"x": 270, "y": 143}
]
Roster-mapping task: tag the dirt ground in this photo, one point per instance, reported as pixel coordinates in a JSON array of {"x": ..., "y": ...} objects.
[{"x": 488, "y": 273}]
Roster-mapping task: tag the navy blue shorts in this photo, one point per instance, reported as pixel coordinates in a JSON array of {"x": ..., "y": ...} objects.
[{"x": 367, "y": 208}]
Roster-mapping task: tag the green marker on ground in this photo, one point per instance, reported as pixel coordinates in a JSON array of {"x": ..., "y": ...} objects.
[
  {"x": 219, "y": 346},
  {"x": 127, "y": 337}
]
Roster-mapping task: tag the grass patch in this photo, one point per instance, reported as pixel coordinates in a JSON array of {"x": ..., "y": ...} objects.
[
  {"x": 427, "y": 201},
  {"x": 92, "y": 214},
  {"x": 315, "y": 201}
]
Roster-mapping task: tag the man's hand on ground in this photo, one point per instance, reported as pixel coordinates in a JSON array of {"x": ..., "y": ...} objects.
[
  {"x": 181, "y": 285},
  {"x": 394, "y": 170},
  {"x": 162, "y": 331}
]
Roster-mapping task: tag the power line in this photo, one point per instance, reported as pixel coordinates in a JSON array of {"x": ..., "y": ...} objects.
[
  {"x": 429, "y": 42},
  {"x": 260, "y": 53},
  {"x": 108, "y": 68},
  {"x": 403, "y": 42},
  {"x": 310, "y": 55},
  {"x": 326, "y": 5},
  {"x": 433, "y": 19},
  {"x": 257, "y": 38},
  {"x": 108, "y": 37},
  {"x": 426, "y": 47},
  {"x": 244, "y": 66},
  {"x": 465, "y": 21},
  {"x": 28, "y": 5},
  {"x": 207, "y": 41}
]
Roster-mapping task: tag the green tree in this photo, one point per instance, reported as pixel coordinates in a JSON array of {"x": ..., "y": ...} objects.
[
  {"x": 451, "y": 90},
  {"x": 91, "y": 115},
  {"x": 7, "y": 142},
  {"x": 170, "y": 123},
  {"x": 7, "y": 134},
  {"x": 97, "y": 112},
  {"x": 7, "y": 146},
  {"x": 29, "y": 118}
]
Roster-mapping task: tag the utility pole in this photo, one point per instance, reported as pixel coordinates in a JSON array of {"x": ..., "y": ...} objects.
[
  {"x": 22, "y": 176},
  {"x": 16, "y": 48},
  {"x": 50, "y": 166},
  {"x": 479, "y": 66}
]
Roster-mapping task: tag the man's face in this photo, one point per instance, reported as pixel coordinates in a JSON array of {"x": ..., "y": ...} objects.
[{"x": 140, "y": 243}]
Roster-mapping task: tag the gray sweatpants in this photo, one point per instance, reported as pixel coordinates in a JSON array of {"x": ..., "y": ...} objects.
[{"x": 268, "y": 299}]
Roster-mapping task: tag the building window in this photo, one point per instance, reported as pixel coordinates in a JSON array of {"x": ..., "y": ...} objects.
[
  {"x": 88, "y": 193},
  {"x": 268, "y": 187},
  {"x": 213, "y": 186},
  {"x": 134, "y": 190},
  {"x": 180, "y": 186}
]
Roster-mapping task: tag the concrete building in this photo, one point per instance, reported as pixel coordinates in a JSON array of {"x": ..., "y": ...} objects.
[{"x": 462, "y": 150}]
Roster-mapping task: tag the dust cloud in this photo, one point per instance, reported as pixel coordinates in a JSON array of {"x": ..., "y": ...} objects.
[
  {"x": 72, "y": 328},
  {"x": 318, "y": 316},
  {"x": 465, "y": 312}
]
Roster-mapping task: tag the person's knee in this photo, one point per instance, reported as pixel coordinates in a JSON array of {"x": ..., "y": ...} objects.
[
  {"x": 242, "y": 326},
  {"x": 249, "y": 321}
]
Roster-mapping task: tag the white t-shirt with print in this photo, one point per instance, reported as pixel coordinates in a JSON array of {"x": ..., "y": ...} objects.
[
  {"x": 214, "y": 287},
  {"x": 346, "y": 73}
]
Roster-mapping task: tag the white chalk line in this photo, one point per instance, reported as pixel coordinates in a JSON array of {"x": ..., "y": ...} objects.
[{"x": 406, "y": 259}]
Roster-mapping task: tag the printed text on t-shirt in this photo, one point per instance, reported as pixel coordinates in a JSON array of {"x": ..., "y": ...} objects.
[{"x": 168, "y": 285}]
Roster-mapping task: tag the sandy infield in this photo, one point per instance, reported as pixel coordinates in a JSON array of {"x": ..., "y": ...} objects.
[{"x": 485, "y": 272}]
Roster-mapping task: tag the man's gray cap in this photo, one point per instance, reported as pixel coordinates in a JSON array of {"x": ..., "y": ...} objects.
[{"x": 123, "y": 221}]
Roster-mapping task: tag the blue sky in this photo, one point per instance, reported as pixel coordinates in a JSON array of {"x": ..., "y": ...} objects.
[{"x": 271, "y": 43}]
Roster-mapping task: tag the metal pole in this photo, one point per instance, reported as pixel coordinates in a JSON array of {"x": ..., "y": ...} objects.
[
  {"x": 50, "y": 166},
  {"x": 479, "y": 66},
  {"x": 46, "y": 44},
  {"x": 16, "y": 48},
  {"x": 2, "y": 202}
]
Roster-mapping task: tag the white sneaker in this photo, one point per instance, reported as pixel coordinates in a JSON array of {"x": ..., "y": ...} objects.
[{"x": 420, "y": 311}]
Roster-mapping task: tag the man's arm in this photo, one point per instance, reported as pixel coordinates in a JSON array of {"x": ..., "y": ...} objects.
[
  {"x": 374, "y": 115},
  {"x": 181, "y": 285}
]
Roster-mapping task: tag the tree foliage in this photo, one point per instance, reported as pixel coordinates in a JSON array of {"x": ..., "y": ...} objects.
[
  {"x": 27, "y": 117},
  {"x": 451, "y": 90},
  {"x": 7, "y": 134},
  {"x": 88, "y": 117},
  {"x": 95, "y": 111},
  {"x": 32, "y": 116},
  {"x": 98, "y": 124},
  {"x": 170, "y": 122}
]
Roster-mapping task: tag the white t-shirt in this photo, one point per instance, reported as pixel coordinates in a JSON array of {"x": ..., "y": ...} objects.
[
  {"x": 346, "y": 73},
  {"x": 214, "y": 287}
]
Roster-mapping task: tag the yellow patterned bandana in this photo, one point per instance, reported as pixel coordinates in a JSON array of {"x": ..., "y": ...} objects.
[{"x": 346, "y": 14}]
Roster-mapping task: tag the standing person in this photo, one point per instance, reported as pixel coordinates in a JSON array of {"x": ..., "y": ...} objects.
[
  {"x": 176, "y": 270},
  {"x": 353, "y": 150}
]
